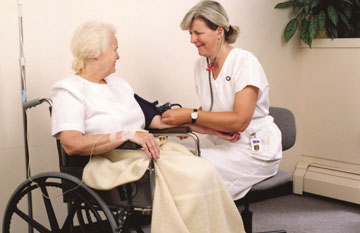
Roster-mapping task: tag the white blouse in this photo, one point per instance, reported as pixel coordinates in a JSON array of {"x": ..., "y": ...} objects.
[
  {"x": 241, "y": 68},
  {"x": 92, "y": 108}
]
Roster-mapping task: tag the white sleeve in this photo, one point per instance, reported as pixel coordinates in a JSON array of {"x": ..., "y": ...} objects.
[
  {"x": 250, "y": 72},
  {"x": 68, "y": 111}
]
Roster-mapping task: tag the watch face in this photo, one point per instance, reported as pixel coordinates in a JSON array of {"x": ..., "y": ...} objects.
[{"x": 194, "y": 115}]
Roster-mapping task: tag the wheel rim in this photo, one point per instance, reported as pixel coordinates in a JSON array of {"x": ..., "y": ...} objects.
[{"x": 56, "y": 219}]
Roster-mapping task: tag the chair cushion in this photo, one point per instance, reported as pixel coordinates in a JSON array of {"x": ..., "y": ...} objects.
[
  {"x": 281, "y": 178},
  {"x": 275, "y": 186}
]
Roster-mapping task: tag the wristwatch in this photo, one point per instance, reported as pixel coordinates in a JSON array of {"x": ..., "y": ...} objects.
[{"x": 194, "y": 115}]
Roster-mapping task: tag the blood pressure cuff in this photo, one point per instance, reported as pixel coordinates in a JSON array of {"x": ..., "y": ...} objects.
[{"x": 148, "y": 108}]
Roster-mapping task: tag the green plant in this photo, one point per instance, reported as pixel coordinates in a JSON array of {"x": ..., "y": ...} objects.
[{"x": 338, "y": 18}]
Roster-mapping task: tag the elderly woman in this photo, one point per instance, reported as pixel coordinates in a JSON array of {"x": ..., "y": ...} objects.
[
  {"x": 94, "y": 112},
  {"x": 234, "y": 97}
]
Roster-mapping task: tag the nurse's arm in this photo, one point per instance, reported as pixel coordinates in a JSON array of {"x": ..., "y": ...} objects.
[{"x": 235, "y": 121}]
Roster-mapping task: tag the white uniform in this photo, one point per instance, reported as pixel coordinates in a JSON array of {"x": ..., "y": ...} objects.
[
  {"x": 239, "y": 166},
  {"x": 201, "y": 204},
  {"x": 94, "y": 105}
]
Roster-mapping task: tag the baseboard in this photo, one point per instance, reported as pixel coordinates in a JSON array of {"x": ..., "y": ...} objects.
[{"x": 327, "y": 181}]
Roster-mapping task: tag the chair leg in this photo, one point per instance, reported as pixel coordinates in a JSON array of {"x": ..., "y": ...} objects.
[{"x": 246, "y": 215}]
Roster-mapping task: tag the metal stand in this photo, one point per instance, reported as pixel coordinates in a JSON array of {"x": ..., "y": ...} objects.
[{"x": 26, "y": 105}]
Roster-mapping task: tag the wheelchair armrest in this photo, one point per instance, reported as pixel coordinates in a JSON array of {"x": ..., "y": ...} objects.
[
  {"x": 128, "y": 146},
  {"x": 179, "y": 131},
  {"x": 174, "y": 130}
]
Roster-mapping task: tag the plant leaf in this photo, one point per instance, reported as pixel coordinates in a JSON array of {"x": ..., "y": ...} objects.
[
  {"x": 357, "y": 2},
  {"x": 313, "y": 26},
  {"x": 348, "y": 1},
  {"x": 305, "y": 11},
  {"x": 309, "y": 43},
  {"x": 331, "y": 29},
  {"x": 307, "y": 8},
  {"x": 332, "y": 14},
  {"x": 297, "y": 7},
  {"x": 290, "y": 29},
  {"x": 303, "y": 14},
  {"x": 345, "y": 20},
  {"x": 347, "y": 9},
  {"x": 285, "y": 4},
  {"x": 322, "y": 20},
  {"x": 314, "y": 3},
  {"x": 304, "y": 35}
]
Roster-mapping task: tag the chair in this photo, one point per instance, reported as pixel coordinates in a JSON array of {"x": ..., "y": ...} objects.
[
  {"x": 87, "y": 210},
  {"x": 281, "y": 183}
]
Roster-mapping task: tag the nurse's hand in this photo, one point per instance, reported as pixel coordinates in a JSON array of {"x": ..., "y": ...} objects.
[
  {"x": 232, "y": 137},
  {"x": 177, "y": 116},
  {"x": 148, "y": 143}
]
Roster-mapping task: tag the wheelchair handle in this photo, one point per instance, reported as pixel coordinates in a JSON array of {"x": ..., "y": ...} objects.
[{"x": 35, "y": 102}]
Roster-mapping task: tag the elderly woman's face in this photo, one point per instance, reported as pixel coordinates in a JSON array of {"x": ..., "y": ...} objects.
[
  {"x": 108, "y": 58},
  {"x": 205, "y": 39}
]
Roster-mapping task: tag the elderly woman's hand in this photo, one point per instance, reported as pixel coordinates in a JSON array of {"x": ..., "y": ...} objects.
[
  {"x": 148, "y": 143},
  {"x": 177, "y": 116}
]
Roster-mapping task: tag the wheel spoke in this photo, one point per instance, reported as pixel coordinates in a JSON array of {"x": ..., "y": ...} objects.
[
  {"x": 31, "y": 221},
  {"x": 68, "y": 223},
  {"x": 50, "y": 210},
  {"x": 80, "y": 219}
]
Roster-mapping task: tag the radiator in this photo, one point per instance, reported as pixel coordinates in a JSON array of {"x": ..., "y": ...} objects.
[{"x": 328, "y": 181}]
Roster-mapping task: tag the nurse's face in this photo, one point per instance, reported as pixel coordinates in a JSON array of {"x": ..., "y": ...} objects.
[{"x": 206, "y": 40}]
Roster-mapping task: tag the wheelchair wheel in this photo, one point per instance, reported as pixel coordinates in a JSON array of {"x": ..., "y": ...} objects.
[{"x": 78, "y": 209}]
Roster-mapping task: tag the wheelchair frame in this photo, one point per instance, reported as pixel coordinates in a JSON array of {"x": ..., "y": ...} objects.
[{"x": 87, "y": 210}]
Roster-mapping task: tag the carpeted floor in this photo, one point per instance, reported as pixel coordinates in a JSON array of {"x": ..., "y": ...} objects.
[{"x": 304, "y": 214}]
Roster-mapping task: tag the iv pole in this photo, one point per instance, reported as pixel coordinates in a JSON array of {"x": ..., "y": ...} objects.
[
  {"x": 26, "y": 105},
  {"x": 24, "y": 99}
]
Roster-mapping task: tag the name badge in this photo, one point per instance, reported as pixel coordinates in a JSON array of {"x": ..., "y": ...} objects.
[{"x": 255, "y": 143}]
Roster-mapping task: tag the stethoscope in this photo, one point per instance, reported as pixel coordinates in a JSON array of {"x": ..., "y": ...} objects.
[{"x": 209, "y": 68}]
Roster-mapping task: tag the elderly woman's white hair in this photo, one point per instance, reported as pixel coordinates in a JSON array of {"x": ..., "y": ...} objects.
[
  {"x": 214, "y": 16},
  {"x": 89, "y": 41}
]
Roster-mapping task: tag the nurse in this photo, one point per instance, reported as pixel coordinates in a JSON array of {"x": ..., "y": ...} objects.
[{"x": 234, "y": 96}]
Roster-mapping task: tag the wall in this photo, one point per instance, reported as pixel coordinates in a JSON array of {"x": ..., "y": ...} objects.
[
  {"x": 155, "y": 57},
  {"x": 331, "y": 79}
]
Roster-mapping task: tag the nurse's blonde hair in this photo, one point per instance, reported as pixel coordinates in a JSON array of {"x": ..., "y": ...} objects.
[
  {"x": 89, "y": 41},
  {"x": 214, "y": 16}
]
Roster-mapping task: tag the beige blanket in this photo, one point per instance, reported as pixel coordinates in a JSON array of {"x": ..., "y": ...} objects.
[{"x": 189, "y": 195}]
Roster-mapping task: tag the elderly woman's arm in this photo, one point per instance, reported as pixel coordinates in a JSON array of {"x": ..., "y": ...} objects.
[
  {"x": 75, "y": 143},
  {"x": 156, "y": 123}
]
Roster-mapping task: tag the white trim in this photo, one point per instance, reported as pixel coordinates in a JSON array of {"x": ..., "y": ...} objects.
[{"x": 335, "y": 43}]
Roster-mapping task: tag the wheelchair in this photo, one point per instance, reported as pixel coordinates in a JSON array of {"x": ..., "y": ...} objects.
[{"x": 67, "y": 205}]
